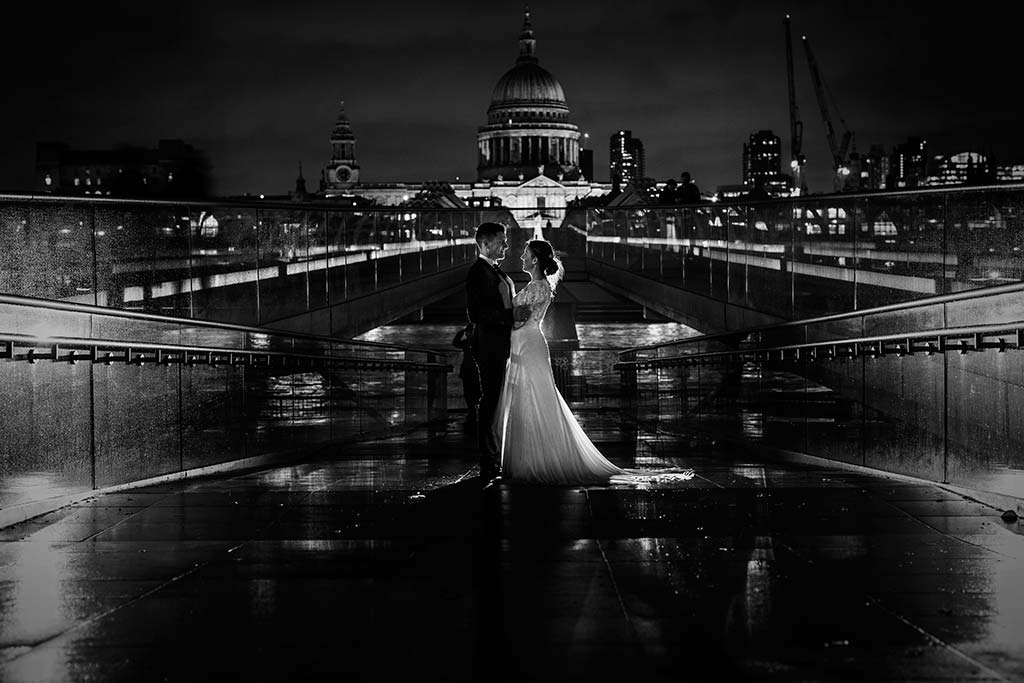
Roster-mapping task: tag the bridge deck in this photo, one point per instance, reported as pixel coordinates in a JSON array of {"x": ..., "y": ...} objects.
[{"x": 389, "y": 563}]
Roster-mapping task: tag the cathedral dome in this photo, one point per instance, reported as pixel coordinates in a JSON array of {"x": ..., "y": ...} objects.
[
  {"x": 528, "y": 131},
  {"x": 527, "y": 82}
]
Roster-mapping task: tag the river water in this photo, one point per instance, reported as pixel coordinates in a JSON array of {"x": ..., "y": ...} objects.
[{"x": 584, "y": 373}]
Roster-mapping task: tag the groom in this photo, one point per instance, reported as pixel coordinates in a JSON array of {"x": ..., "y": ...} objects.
[{"x": 489, "y": 293}]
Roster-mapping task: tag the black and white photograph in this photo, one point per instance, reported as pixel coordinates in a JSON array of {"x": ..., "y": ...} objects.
[{"x": 511, "y": 342}]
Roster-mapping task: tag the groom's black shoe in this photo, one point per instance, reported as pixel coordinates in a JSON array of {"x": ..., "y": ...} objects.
[{"x": 492, "y": 483}]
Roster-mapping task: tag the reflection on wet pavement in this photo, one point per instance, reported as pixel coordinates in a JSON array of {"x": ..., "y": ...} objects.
[{"x": 385, "y": 560}]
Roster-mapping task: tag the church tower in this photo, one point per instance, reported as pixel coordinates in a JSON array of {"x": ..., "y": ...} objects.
[{"x": 342, "y": 172}]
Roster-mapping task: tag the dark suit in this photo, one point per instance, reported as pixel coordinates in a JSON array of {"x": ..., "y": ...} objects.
[{"x": 491, "y": 315}]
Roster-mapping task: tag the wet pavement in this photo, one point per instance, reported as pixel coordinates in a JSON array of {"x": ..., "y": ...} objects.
[{"x": 385, "y": 561}]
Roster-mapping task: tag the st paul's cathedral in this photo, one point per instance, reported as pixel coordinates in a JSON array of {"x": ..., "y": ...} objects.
[{"x": 528, "y": 150}]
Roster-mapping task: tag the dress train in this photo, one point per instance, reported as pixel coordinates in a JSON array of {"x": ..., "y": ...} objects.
[{"x": 540, "y": 439}]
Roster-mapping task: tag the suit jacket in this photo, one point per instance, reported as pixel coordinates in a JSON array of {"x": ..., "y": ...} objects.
[{"x": 485, "y": 308}]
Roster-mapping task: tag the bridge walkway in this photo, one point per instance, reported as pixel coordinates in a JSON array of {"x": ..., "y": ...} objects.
[{"x": 385, "y": 561}]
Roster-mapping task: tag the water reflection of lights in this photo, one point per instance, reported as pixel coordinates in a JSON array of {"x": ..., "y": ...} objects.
[
  {"x": 259, "y": 341},
  {"x": 1007, "y": 624},
  {"x": 758, "y": 587},
  {"x": 300, "y": 398},
  {"x": 33, "y": 601},
  {"x": 34, "y": 486},
  {"x": 752, "y": 424}
]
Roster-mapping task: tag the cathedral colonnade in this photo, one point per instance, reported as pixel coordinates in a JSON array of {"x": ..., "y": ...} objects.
[{"x": 529, "y": 147}]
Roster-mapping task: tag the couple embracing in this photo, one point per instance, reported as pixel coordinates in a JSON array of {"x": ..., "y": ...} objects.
[{"x": 526, "y": 430}]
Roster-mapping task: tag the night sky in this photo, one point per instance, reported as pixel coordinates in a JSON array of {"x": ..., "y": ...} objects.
[{"x": 257, "y": 84}]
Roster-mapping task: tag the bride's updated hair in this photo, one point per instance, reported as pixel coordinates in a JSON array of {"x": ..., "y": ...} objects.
[{"x": 549, "y": 264}]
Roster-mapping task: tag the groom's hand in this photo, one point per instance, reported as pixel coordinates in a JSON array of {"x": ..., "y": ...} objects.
[{"x": 521, "y": 313}]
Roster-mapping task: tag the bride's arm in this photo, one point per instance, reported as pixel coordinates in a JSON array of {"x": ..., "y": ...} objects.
[{"x": 526, "y": 303}]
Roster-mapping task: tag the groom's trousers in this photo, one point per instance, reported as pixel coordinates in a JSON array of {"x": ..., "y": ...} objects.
[{"x": 491, "y": 351}]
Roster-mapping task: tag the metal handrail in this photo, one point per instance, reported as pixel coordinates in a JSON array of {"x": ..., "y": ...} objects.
[
  {"x": 834, "y": 317},
  {"x": 329, "y": 206},
  {"x": 65, "y": 350},
  {"x": 253, "y": 203},
  {"x": 89, "y": 309},
  {"x": 971, "y": 339},
  {"x": 829, "y": 196}
]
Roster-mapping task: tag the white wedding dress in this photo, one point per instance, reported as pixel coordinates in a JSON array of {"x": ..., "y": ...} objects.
[{"x": 540, "y": 439}]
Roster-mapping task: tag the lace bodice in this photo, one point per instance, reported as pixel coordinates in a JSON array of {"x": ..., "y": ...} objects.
[{"x": 537, "y": 295}]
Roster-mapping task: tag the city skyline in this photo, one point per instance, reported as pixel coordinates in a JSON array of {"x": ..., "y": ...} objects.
[{"x": 257, "y": 86}]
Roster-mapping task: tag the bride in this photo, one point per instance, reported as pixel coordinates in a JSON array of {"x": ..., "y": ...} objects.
[{"x": 540, "y": 439}]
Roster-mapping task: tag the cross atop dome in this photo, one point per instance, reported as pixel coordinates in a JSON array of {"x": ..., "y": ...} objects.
[{"x": 527, "y": 44}]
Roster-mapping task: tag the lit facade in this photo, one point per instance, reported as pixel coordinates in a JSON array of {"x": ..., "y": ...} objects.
[
  {"x": 965, "y": 168},
  {"x": 1010, "y": 173},
  {"x": 762, "y": 163},
  {"x": 909, "y": 164},
  {"x": 626, "y": 158},
  {"x": 528, "y": 153},
  {"x": 173, "y": 168},
  {"x": 528, "y": 132}
]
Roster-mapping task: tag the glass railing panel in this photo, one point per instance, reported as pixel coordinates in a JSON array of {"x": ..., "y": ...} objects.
[
  {"x": 24, "y": 253},
  {"x": 396, "y": 235},
  {"x": 416, "y": 395},
  {"x": 316, "y": 245},
  {"x": 413, "y": 264},
  {"x": 361, "y": 277},
  {"x": 381, "y": 400},
  {"x": 984, "y": 239},
  {"x": 651, "y": 232},
  {"x": 903, "y": 417},
  {"x": 822, "y": 258},
  {"x": 986, "y": 411},
  {"x": 225, "y": 266},
  {"x": 428, "y": 228},
  {"x": 742, "y": 234},
  {"x": 696, "y": 263},
  {"x": 215, "y": 424},
  {"x": 283, "y": 263},
  {"x": 142, "y": 254},
  {"x": 900, "y": 249},
  {"x": 338, "y": 237},
  {"x": 777, "y": 399},
  {"x": 137, "y": 418},
  {"x": 270, "y": 407},
  {"x": 835, "y": 413},
  {"x": 351, "y": 240},
  {"x": 61, "y": 236},
  {"x": 46, "y": 433}
]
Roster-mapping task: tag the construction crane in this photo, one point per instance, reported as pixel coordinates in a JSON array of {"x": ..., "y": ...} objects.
[
  {"x": 840, "y": 162},
  {"x": 796, "y": 126}
]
